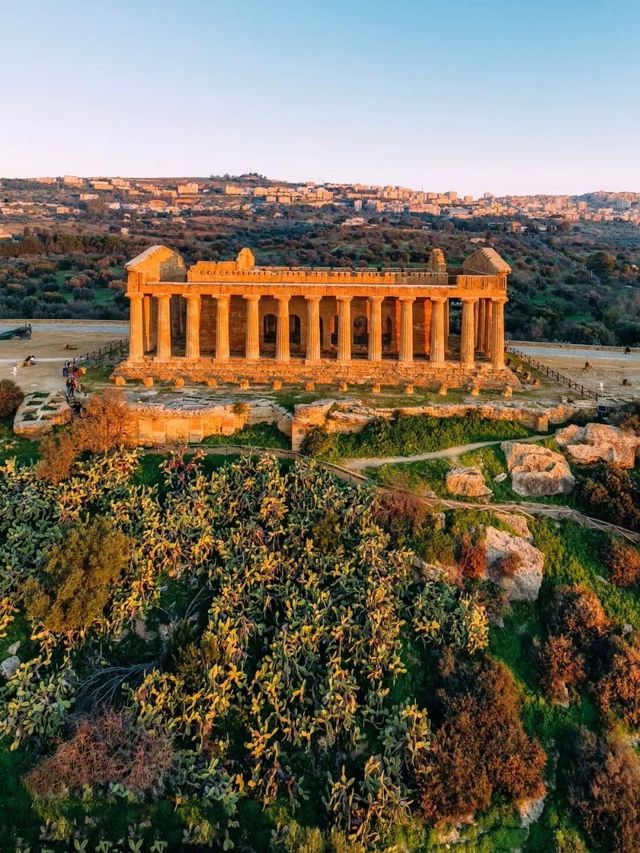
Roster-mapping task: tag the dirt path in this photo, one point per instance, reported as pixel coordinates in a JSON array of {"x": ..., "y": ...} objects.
[
  {"x": 527, "y": 508},
  {"x": 359, "y": 464}
]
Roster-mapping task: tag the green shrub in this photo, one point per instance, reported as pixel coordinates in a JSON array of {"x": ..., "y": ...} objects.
[
  {"x": 79, "y": 578},
  {"x": 407, "y": 435},
  {"x": 10, "y": 398}
]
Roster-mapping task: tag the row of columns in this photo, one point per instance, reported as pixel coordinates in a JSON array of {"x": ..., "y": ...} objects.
[{"x": 482, "y": 328}]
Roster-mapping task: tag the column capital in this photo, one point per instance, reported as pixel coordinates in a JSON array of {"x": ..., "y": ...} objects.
[
  {"x": 222, "y": 297},
  {"x": 312, "y": 297},
  {"x": 375, "y": 298},
  {"x": 252, "y": 297},
  {"x": 406, "y": 299},
  {"x": 135, "y": 295},
  {"x": 281, "y": 297},
  {"x": 440, "y": 300},
  {"x": 470, "y": 299},
  {"x": 342, "y": 298},
  {"x": 192, "y": 296},
  {"x": 499, "y": 300}
]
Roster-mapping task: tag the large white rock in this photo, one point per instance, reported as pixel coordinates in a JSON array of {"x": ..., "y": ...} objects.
[
  {"x": 468, "y": 482},
  {"x": 600, "y": 443},
  {"x": 524, "y": 584},
  {"x": 536, "y": 470},
  {"x": 9, "y": 666}
]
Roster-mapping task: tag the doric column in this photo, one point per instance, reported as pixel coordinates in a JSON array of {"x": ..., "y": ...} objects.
[
  {"x": 252, "y": 331},
  {"x": 406, "y": 329},
  {"x": 222, "y": 327},
  {"x": 136, "y": 345},
  {"x": 192, "y": 342},
  {"x": 481, "y": 327},
  {"x": 437, "y": 330},
  {"x": 163, "y": 349},
  {"x": 487, "y": 326},
  {"x": 447, "y": 324},
  {"x": 375, "y": 328},
  {"x": 467, "y": 333},
  {"x": 282, "y": 329},
  {"x": 313, "y": 328},
  {"x": 427, "y": 326},
  {"x": 147, "y": 305},
  {"x": 497, "y": 332},
  {"x": 153, "y": 322},
  {"x": 344, "y": 328}
]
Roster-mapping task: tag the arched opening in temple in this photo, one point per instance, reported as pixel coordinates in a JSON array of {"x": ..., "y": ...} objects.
[
  {"x": 360, "y": 331},
  {"x": 178, "y": 315},
  {"x": 334, "y": 330},
  {"x": 387, "y": 333},
  {"x": 269, "y": 328},
  {"x": 294, "y": 329}
]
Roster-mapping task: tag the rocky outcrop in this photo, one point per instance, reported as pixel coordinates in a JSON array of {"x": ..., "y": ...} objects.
[
  {"x": 352, "y": 416},
  {"x": 40, "y": 412},
  {"x": 600, "y": 443},
  {"x": 536, "y": 470},
  {"x": 514, "y": 564},
  {"x": 467, "y": 482}
]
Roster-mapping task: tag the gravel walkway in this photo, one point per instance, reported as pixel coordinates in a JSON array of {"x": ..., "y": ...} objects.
[{"x": 357, "y": 464}]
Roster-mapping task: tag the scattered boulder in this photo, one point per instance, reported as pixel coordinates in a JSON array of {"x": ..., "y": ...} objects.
[
  {"x": 531, "y": 810},
  {"x": 536, "y": 470},
  {"x": 468, "y": 482},
  {"x": 517, "y": 523},
  {"x": 514, "y": 564},
  {"x": 600, "y": 443},
  {"x": 9, "y": 666}
]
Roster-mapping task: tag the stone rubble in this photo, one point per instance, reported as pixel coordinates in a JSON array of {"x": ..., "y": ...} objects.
[{"x": 38, "y": 415}]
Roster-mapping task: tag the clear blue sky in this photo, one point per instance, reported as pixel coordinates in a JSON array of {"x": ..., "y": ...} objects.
[{"x": 474, "y": 95}]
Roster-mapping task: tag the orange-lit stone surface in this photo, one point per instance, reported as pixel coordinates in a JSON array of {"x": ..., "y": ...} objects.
[{"x": 232, "y": 321}]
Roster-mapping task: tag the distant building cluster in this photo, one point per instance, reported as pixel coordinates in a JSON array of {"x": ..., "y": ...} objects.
[{"x": 74, "y": 197}]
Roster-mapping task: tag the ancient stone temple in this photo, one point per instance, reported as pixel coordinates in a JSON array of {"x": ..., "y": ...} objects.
[{"x": 234, "y": 321}]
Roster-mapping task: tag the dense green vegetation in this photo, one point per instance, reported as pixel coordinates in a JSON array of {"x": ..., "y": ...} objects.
[
  {"x": 256, "y": 435},
  {"x": 405, "y": 435},
  {"x": 231, "y": 641},
  {"x": 221, "y": 653}
]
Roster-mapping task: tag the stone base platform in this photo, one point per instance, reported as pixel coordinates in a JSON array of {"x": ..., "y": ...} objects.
[{"x": 390, "y": 372}]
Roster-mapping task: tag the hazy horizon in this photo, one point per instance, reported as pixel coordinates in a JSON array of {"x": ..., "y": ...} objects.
[
  {"x": 297, "y": 181},
  {"x": 512, "y": 99}
]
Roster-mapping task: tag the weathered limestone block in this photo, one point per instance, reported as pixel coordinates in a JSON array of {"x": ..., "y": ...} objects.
[
  {"x": 600, "y": 443},
  {"x": 36, "y": 416},
  {"x": 9, "y": 666},
  {"x": 468, "y": 482},
  {"x": 536, "y": 470},
  {"x": 527, "y": 563}
]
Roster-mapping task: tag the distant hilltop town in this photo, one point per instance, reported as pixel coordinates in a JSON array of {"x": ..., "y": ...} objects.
[{"x": 70, "y": 196}]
